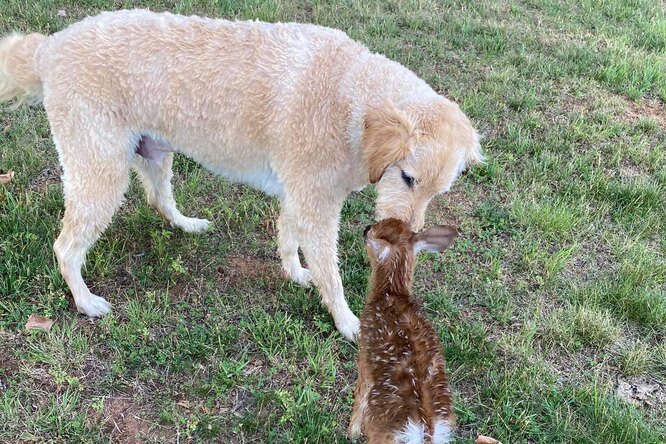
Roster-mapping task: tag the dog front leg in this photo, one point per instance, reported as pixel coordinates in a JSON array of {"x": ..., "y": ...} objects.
[{"x": 319, "y": 236}]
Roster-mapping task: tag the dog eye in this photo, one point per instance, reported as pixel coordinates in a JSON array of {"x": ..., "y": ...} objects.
[{"x": 409, "y": 180}]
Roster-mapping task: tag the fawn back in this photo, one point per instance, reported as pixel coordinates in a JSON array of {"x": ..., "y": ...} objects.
[{"x": 402, "y": 394}]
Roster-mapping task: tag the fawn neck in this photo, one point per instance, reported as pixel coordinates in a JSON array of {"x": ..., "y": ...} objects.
[{"x": 393, "y": 276}]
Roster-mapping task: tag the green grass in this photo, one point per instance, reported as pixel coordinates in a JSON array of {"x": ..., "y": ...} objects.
[{"x": 555, "y": 291}]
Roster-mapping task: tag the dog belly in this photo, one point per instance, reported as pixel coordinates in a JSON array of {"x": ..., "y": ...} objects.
[
  {"x": 260, "y": 176},
  {"x": 263, "y": 178}
]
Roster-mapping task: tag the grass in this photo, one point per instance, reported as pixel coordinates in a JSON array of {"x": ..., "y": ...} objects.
[{"x": 554, "y": 293}]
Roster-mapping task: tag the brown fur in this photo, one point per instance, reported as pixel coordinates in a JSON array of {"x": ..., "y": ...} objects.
[
  {"x": 388, "y": 138},
  {"x": 401, "y": 366}
]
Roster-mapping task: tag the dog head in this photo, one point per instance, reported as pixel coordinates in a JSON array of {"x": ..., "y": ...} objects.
[{"x": 415, "y": 154}]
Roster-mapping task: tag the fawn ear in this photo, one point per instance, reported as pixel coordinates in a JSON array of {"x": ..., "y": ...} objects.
[
  {"x": 380, "y": 249},
  {"x": 387, "y": 135},
  {"x": 435, "y": 239}
]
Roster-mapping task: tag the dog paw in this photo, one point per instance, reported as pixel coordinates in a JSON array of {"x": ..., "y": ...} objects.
[
  {"x": 191, "y": 224},
  {"x": 94, "y": 306},
  {"x": 348, "y": 326},
  {"x": 302, "y": 277}
]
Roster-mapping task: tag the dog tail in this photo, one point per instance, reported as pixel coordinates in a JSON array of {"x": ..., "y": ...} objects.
[{"x": 19, "y": 77}]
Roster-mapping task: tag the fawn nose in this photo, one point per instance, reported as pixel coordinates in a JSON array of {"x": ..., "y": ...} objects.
[{"x": 365, "y": 232}]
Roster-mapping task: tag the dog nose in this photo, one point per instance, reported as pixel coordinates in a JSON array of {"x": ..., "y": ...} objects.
[{"x": 365, "y": 232}]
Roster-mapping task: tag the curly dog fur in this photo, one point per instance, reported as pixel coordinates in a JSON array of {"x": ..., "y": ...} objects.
[{"x": 301, "y": 112}]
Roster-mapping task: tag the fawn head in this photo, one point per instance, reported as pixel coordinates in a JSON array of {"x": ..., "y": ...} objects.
[{"x": 392, "y": 248}]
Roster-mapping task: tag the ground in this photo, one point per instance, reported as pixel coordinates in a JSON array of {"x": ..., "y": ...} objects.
[{"x": 551, "y": 306}]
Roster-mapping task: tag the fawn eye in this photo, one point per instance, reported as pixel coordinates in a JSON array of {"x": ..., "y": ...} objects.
[{"x": 409, "y": 180}]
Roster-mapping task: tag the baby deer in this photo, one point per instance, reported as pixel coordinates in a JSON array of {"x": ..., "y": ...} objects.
[{"x": 402, "y": 393}]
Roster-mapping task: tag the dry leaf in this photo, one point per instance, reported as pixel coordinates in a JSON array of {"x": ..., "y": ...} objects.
[
  {"x": 481, "y": 439},
  {"x": 38, "y": 323},
  {"x": 639, "y": 390},
  {"x": 184, "y": 404},
  {"x": 7, "y": 177},
  {"x": 644, "y": 391}
]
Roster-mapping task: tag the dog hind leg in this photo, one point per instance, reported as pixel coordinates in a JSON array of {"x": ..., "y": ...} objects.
[
  {"x": 95, "y": 178},
  {"x": 288, "y": 247},
  {"x": 155, "y": 173}
]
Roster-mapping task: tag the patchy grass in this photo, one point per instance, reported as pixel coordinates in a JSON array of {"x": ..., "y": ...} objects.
[
  {"x": 574, "y": 327},
  {"x": 633, "y": 358},
  {"x": 553, "y": 295}
]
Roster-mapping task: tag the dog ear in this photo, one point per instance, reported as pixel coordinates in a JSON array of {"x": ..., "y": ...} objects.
[
  {"x": 435, "y": 239},
  {"x": 387, "y": 135}
]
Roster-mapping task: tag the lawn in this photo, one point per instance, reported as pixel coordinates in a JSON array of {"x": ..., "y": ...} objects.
[{"x": 551, "y": 306}]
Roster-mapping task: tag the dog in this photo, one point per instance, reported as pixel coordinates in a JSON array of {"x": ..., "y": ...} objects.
[
  {"x": 402, "y": 394},
  {"x": 299, "y": 111}
]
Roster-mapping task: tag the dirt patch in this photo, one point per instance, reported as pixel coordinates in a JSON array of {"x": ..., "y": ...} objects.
[
  {"x": 647, "y": 108},
  {"x": 49, "y": 175},
  {"x": 40, "y": 378},
  {"x": 9, "y": 366},
  {"x": 652, "y": 109},
  {"x": 592, "y": 255},
  {"x": 123, "y": 422},
  {"x": 448, "y": 208},
  {"x": 248, "y": 268},
  {"x": 180, "y": 291},
  {"x": 632, "y": 172},
  {"x": 568, "y": 106},
  {"x": 454, "y": 206}
]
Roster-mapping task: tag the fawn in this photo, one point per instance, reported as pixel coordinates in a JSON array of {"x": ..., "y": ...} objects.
[{"x": 402, "y": 393}]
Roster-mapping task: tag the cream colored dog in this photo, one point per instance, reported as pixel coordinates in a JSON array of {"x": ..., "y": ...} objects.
[{"x": 299, "y": 111}]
